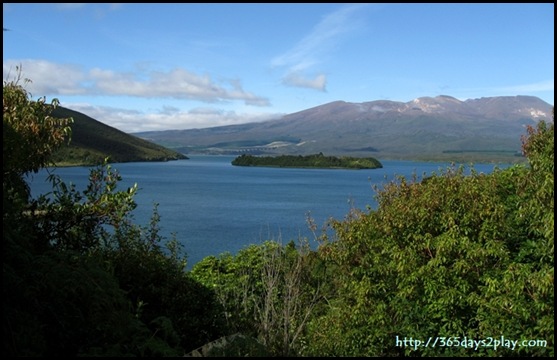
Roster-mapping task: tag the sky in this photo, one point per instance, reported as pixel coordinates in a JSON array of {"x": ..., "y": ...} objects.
[{"x": 150, "y": 67}]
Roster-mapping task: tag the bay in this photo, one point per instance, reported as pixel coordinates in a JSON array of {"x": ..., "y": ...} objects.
[{"x": 212, "y": 207}]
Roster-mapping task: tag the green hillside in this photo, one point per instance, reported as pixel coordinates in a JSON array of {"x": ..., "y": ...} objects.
[{"x": 93, "y": 141}]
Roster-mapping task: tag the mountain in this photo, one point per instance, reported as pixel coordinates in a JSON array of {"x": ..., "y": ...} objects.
[
  {"x": 93, "y": 141},
  {"x": 426, "y": 128}
]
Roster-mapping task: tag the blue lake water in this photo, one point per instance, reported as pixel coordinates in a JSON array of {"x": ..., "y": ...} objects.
[{"x": 214, "y": 207}]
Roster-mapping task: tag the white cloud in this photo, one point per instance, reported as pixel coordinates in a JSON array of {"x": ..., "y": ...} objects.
[
  {"x": 167, "y": 118},
  {"x": 46, "y": 78},
  {"x": 311, "y": 50},
  {"x": 298, "y": 80},
  {"x": 61, "y": 79}
]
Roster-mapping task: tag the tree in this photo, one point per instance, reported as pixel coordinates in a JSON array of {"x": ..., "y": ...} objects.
[
  {"x": 451, "y": 256},
  {"x": 30, "y": 134},
  {"x": 80, "y": 278}
]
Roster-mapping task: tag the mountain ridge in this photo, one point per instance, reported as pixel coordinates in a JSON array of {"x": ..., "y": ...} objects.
[{"x": 425, "y": 128}]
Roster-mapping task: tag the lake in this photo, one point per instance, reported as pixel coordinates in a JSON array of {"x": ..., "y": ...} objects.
[{"x": 214, "y": 207}]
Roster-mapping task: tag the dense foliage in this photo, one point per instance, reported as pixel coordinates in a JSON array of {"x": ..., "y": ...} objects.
[
  {"x": 452, "y": 256},
  {"x": 308, "y": 161},
  {"x": 79, "y": 277},
  {"x": 268, "y": 292},
  {"x": 460, "y": 262}
]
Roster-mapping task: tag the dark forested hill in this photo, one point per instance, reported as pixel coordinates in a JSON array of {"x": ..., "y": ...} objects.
[
  {"x": 92, "y": 141},
  {"x": 426, "y": 128}
]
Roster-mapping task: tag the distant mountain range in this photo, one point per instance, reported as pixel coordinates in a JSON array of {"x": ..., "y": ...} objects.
[
  {"x": 426, "y": 128},
  {"x": 92, "y": 141}
]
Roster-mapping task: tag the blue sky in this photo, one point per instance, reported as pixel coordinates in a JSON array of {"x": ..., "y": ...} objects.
[{"x": 142, "y": 67}]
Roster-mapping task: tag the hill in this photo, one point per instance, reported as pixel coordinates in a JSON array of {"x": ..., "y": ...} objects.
[
  {"x": 92, "y": 141},
  {"x": 426, "y": 128}
]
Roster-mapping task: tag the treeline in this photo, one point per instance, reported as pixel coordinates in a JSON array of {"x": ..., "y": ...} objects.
[
  {"x": 308, "y": 161},
  {"x": 459, "y": 259}
]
